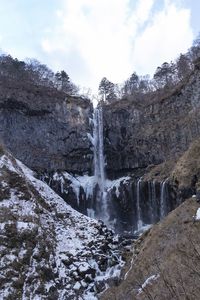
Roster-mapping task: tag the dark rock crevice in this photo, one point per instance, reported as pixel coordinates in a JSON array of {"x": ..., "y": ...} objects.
[{"x": 12, "y": 104}]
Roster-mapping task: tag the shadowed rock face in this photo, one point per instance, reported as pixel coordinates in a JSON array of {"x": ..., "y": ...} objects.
[
  {"x": 46, "y": 129},
  {"x": 130, "y": 202},
  {"x": 137, "y": 135}
]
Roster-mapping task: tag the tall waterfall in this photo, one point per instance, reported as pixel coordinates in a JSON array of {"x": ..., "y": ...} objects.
[
  {"x": 99, "y": 161},
  {"x": 99, "y": 165}
]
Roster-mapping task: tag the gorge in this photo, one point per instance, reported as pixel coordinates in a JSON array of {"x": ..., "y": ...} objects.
[{"x": 125, "y": 140}]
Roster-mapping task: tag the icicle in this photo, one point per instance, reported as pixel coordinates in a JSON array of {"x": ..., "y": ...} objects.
[
  {"x": 154, "y": 200},
  {"x": 91, "y": 213},
  {"x": 62, "y": 181},
  {"x": 163, "y": 203},
  {"x": 150, "y": 201},
  {"x": 139, "y": 219}
]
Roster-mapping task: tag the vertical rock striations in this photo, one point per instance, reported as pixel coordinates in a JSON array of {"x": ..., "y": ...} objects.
[
  {"x": 46, "y": 129},
  {"x": 140, "y": 134}
]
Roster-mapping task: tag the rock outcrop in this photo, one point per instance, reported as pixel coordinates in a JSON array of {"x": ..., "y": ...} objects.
[{"x": 45, "y": 128}]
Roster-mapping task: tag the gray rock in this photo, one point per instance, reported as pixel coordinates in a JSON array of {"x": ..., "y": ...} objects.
[
  {"x": 140, "y": 134},
  {"x": 46, "y": 129}
]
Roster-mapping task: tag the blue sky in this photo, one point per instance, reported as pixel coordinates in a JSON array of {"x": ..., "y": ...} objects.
[{"x": 95, "y": 38}]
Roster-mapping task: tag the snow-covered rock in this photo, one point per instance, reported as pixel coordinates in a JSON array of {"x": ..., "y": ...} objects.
[
  {"x": 87, "y": 183},
  {"x": 115, "y": 184},
  {"x": 147, "y": 282},
  {"x": 197, "y": 218},
  {"x": 48, "y": 250}
]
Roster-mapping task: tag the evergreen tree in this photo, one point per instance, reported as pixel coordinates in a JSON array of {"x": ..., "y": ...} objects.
[{"x": 107, "y": 90}]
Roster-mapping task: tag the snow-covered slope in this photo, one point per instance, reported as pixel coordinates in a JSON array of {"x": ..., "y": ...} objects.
[{"x": 47, "y": 249}]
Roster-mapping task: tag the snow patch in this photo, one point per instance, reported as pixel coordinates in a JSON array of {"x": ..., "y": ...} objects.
[
  {"x": 25, "y": 225},
  {"x": 111, "y": 184},
  {"x": 77, "y": 286},
  {"x": 143, "y": 228},
  {"x": 148, "y": 281},
  {"x": 68, "y": 231},
  {"x": 197, "y": 218}
]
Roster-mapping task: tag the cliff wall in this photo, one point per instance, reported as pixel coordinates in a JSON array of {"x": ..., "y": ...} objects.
[
  {"x": 46, "y": 129},
  {"x": 138, "y": 134}
]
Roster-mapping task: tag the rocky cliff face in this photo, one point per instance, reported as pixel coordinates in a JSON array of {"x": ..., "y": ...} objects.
[
  {"x": 46, "y": 129},
  {"x": 131, "y": 203},
  {"x": 137, "y": 135},
  {"x": 49, "y": 131}
]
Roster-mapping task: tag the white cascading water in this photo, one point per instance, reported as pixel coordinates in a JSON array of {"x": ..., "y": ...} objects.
[
  {"x": 139, "y": 219},
  {"x": 151, "y": 202},
  {"x": 99, "y": 164},
  {"x": 163, "y": 204}
]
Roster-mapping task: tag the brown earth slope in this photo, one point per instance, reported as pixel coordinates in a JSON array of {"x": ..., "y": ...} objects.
[
  {"x": 188, "y": 166},
  {"x": 169, "y": 255}
]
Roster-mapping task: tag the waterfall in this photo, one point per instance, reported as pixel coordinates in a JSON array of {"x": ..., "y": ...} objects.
[
  {"x": 153, "y": 202},
  {"x": 139, "y": 219},
  {"x": 163, "y": 203},
  {"x": 99, "y": 161},
  {"x": 99, "y": 165},
  {"x": 154, "y": 192}
]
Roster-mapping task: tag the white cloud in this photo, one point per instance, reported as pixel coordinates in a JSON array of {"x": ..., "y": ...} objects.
[
  {"x": 96, "y": 38},
  {"x": 142, "y": 12},
  {"x": 168, "y": 34}
]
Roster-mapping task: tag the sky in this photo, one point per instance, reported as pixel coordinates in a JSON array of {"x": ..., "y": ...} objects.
[{"x": 92, "y": 39}]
